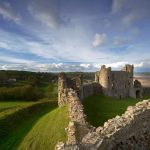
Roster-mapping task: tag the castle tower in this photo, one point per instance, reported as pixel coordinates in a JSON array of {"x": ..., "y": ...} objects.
[
  {"x": 130, "y": 69},
  {"x": 105, "y": 80}
]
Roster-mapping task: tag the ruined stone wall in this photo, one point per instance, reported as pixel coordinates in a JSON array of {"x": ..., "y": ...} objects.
[
  {"x": 76, "y": 84},
  {"x": 146, "y": 91},
  {"x": 78, "y": 127},
  {"x": 90, "y": 89},
  {"x": 129, "y": 131},
  {"x": 64, "y": 84},
  {"x": 120, "y": 84}
]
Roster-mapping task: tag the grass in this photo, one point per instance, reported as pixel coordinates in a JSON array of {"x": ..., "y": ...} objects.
[
  {"x": 146, "y": 97},
  {"x": 47, "y": 131},
  {"x": 41, "y": 127},
  {"x": 47, "y": 90},
  {"x": 99, "y": 108},
  {"x": 9, "y": 105}
]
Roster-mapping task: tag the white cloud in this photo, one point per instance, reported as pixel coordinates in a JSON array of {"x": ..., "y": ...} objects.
[
  {"x": 85, "y": 65},
  {"x": 141, "y": 64},
  {"x": 99, "y": 39},
  {"x": 117, "y": 64},
  {"x": 62, "y": 67},
  {"x": 61, "y": 49},
  {"x": 47, "y": 12},
  {"x": 8, "y": 13}
]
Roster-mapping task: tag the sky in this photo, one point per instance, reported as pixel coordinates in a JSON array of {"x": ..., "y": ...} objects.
[{"x": 74, "y": 35}]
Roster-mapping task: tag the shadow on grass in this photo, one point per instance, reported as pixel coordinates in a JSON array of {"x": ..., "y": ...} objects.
[
  {"x": 12, "y": 140},
  {"x": 99, "y": 108}
]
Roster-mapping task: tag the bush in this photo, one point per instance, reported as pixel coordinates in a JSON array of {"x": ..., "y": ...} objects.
[{"x": 27, "y": 92}]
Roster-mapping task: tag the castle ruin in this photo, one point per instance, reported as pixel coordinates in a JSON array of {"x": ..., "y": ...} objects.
[
  {"x": 129, "y": 131},
  {"x": 118, "y": 84}
]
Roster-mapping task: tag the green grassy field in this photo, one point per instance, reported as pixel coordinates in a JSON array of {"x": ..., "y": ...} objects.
[
  {"x": 47, "y": 131},
  {"x": 9, "y": 105},
  {"x": 100, "y": 108},
  {"x": 32, "y": 126}
]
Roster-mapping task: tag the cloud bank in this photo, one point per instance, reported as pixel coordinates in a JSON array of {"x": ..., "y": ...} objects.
[{"x": 54, "y": 35}]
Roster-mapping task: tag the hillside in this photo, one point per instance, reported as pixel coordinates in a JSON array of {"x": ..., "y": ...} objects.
[{"x": 32, "y": 126}]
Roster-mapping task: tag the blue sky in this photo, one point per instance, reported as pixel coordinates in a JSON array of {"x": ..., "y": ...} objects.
[{"x": 74, "y": 35}]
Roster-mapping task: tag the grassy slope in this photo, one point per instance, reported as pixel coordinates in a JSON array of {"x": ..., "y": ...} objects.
[
  {"x": 47, "y": 131},
  {"x": 100, "y": 108},
  {"x": 48, "y": 120}
]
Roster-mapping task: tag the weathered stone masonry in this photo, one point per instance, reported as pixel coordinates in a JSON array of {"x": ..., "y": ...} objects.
[
  {"x": 119, "y": 84},
  {"x": 129, "y": 131},
  {"x": 76, "y": 84}
]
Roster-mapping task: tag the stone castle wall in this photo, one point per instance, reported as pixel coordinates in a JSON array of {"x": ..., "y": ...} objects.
[
  {"x": 90, "y": 89},
  {"x": 129, "y": 131},
  {"x": 78, "y": 126},
  {"x": 118, "y": 84},
  {"x": 146, "y": 91},
  {"x": 76, "y": 84}
]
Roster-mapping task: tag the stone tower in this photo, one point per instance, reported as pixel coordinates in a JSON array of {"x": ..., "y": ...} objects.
[
  {"x": 105, "y": 80},
  {"x": 130, "y": 69}
]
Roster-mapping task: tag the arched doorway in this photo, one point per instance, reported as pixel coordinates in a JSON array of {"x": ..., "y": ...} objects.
[{"x": 138, "y": 94}]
